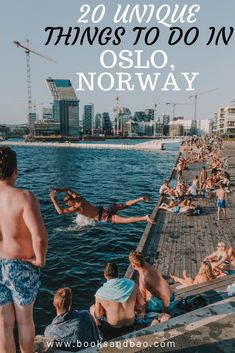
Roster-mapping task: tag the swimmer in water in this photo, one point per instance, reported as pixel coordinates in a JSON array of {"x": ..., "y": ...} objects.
[{"x": 77, "y": 204}]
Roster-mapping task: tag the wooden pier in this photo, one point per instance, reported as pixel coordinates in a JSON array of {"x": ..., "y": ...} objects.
[{"x": 179, "y": 242}]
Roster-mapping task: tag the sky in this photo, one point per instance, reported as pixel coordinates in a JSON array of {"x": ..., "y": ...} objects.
[{"x": 27, "y": 19}]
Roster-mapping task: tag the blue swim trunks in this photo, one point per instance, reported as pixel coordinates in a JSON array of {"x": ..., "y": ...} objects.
[
  {"x": 221, "y": 203},
  {"x": 155, "y": 304},
  {"x": 19, "y": 282}
]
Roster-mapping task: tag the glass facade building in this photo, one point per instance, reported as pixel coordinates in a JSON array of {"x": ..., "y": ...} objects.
[{"x": 65, "y": 106}]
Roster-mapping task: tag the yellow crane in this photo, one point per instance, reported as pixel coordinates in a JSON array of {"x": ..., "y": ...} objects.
[
  {"x": 195, "y": 100},
  {"x": 28, "y": 51}
]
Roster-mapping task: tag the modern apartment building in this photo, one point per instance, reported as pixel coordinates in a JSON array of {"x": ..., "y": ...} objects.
[
  {"x": 88, "y": 119},
  {"x": 65, "y": 106},
  {"x": 225, "y": 120}
]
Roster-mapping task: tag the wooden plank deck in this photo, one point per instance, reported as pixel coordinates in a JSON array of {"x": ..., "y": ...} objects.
[{"x": 179, "y": 242}]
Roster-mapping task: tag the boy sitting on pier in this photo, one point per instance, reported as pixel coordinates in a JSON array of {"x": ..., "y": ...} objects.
[{"x": 77, "y": 204}]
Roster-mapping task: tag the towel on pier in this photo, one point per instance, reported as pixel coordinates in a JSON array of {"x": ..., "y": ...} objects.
[{"x": 116, "y": 290}]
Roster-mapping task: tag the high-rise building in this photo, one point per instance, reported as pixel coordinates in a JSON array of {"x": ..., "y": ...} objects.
[
  {"x": 88, "y": 117},
  {"x": 166, "y": 119},
  {"x": 98, "y": 122},
  {"x": 107, "y": 124},
  {"x": 65, "y": 106}
]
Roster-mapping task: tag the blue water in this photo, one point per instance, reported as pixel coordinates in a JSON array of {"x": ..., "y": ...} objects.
[{"x": 77, "y": 254}]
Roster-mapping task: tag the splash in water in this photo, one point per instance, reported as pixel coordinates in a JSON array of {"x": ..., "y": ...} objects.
[{"x": 83, "y": 221}]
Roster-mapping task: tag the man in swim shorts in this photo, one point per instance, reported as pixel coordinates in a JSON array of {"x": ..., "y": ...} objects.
[
  {"x": 155, "y": 290},
  {"x": 23, "y": 247},
  {"x": 77, "y": 204},
  {"x": 221, "y": 197}
]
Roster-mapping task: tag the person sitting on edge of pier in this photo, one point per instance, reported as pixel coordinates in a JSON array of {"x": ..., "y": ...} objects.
[
  {"x": 223, "y": 257},
  {"x": 116, "y": 304},
  {"x": 154, "y": 288},
  {"x": 205, "y": 274},
  {"x": 77, "y": 204},
  {"x": 71, "y": 327}
]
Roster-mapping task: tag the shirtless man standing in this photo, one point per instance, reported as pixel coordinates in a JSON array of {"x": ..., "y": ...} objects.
[
  {"x": 116, "y": 303},
  {"x": 221, "y": 197},
  {"x": 23, "y": 247},
  {"x": 202, "y": 179},
  {"x": 77, "y": 204},
  {"x": 154, "y": 289}
]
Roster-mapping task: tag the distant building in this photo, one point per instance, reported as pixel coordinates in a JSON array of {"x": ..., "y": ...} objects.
[
  {"x": 176, "y": 130},
  {"x": 88, "y": 118},
  {"x": 98, "y": 122},
  {"x": 146, "y": 128},
  {"x": 107, "y": 124},
  {"x": 150, "y": 114},
  {"x": 204, "y": 127},
  {"x": 122, "y": 122},
  {"x": 47, "y": 127},
  {"x": 166, "y": 119},
  {"x": 65, "y": 106},
  {"x": 225, "y": 120},
  {"x": 4, "y": 130},
  {"x": 188, "y": 125},
  {"x": 47, "y": 113}
]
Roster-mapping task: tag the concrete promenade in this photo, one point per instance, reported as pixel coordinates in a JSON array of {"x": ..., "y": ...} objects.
[{"x": 154, "y": 145}]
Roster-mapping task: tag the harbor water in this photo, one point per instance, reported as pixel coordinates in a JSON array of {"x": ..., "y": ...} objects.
[{"x": 77, "y": 252}]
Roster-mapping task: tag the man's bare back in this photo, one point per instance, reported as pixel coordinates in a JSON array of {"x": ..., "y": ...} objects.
[
  {"x": 120, "y": 314},
  {"x": 152, "y": 283},
  {"x": 19, "y": 212}
]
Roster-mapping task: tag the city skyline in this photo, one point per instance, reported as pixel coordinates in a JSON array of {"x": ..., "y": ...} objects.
[{"x": 215, "y": 63}]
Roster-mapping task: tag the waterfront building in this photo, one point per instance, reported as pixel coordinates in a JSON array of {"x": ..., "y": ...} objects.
[
  {"x": 47, "y": 127},
  {"x": 146, "y": 128},
  {"x": 225, "y": 120},
  {"x": 107, "y": 124},
  {"x": 142, "y": 116},
  {"x": 204, "y": 127},
  {"x": 18, "y": 129},
  {"x": 47, "y": 114},
  {"x": 166, "y": 119},
  {"x": 150, "y": 114},
  {"x": 122, "y": 122},
  {"x": 98, "y": 122},
  {"x": 65, "y": 106},
  {"x": 88, "y": 119},
  {"x": 176, "y": 129},
  {"x": 4, "y": 130}
]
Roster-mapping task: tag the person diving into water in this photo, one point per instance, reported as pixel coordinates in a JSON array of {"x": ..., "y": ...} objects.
[{"x": 77, "y": 204}]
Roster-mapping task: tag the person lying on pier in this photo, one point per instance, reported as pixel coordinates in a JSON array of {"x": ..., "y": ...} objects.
[
  {"x": 71, "y": 326},
  {"x": 222, "y": 258},
  {"x": 155, "y": 290},
  {"x": 77, "y": 204},
  {"x": 116, "y": 304},
  {"x": 205, "y": 274},
  {"x": 181, "y": 207}
]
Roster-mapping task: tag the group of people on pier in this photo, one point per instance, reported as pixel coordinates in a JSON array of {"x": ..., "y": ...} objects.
[
  {"x": 213, "y": 181},
  {"x": 120, "y": 304}
]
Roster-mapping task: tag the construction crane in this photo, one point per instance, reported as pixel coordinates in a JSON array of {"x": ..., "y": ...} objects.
[
  {"x": 27, "y": 51},
  {"x": 195, "y": 100},
  {"x": 173, "y": 107}
]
